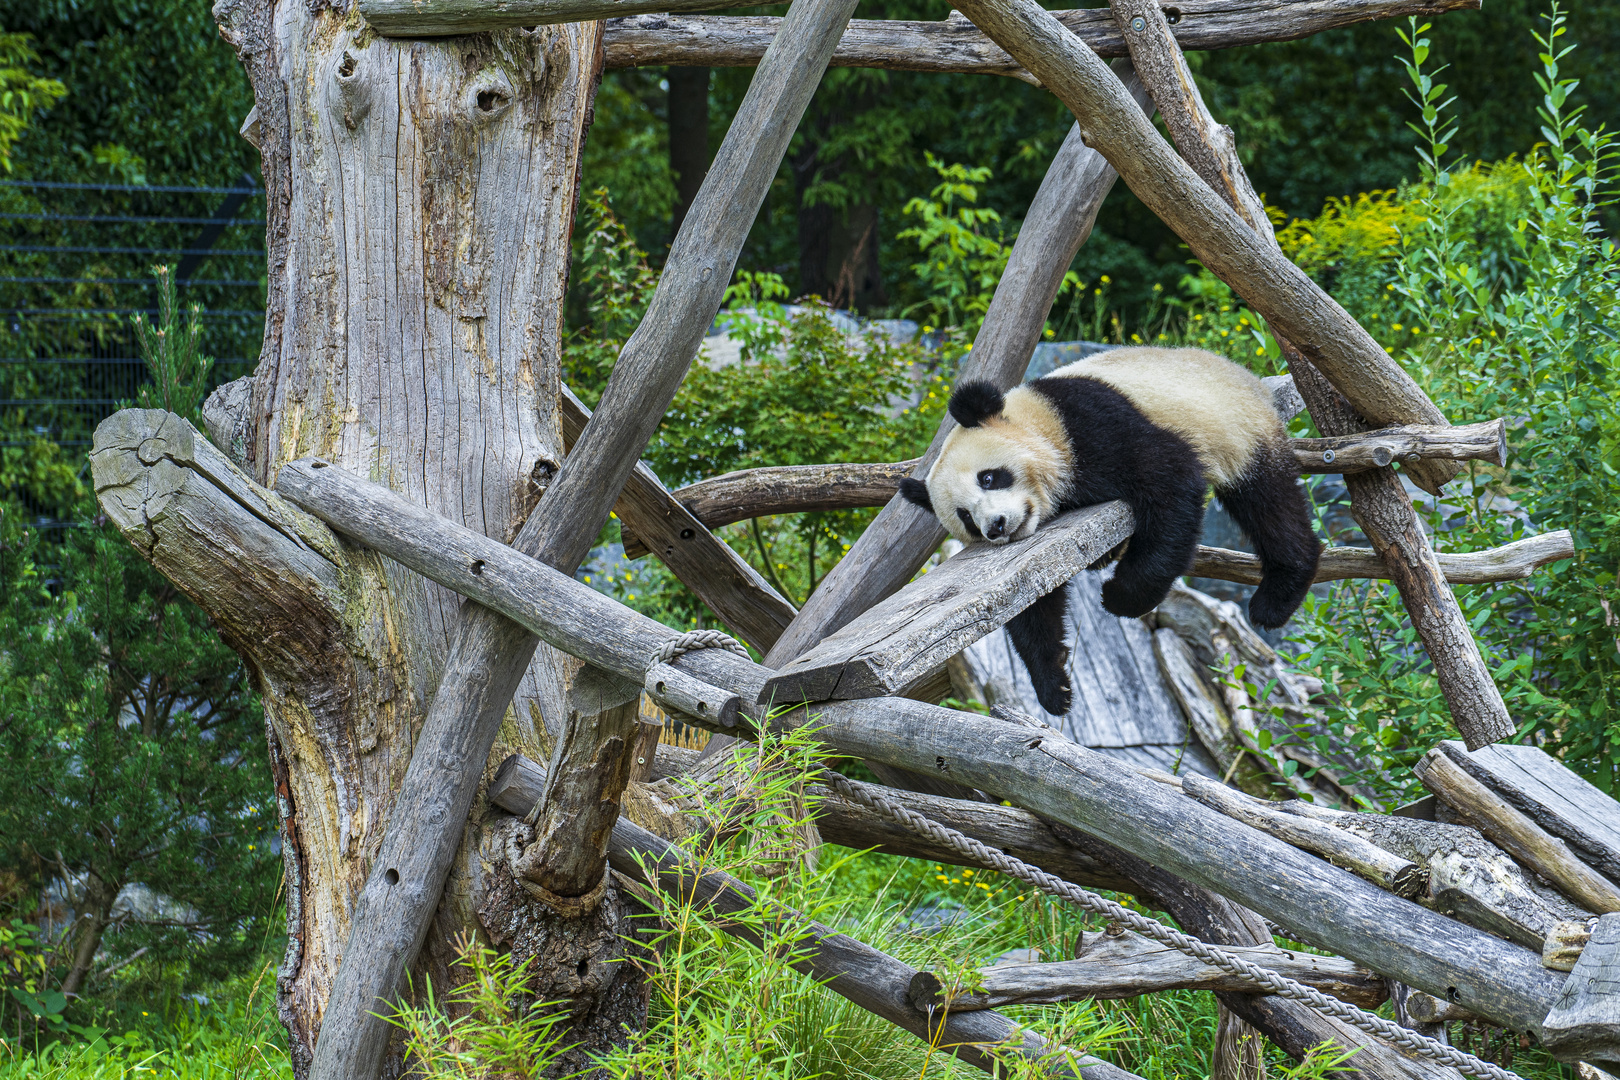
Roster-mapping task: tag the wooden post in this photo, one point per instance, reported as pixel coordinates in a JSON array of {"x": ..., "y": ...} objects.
[
  {"x": 1585, "y": 1023},
  {"x": 490, "y": 652}
]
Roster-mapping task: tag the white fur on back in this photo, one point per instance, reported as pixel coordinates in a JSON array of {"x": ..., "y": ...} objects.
[{"x": 1217, "y": 406}]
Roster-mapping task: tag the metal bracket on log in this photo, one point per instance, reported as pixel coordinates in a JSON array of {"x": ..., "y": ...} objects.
[
  {"x": 896, "y": 643},
  {"x": 1585, "y": 1023}
]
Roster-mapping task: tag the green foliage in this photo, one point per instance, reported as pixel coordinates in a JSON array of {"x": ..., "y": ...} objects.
[
  {"x": 172, "y": 353},
  {"x": 962, "y": 260},
  {"x": 144, "y": 762},
  {"x": 610, "y": 289},
  {"x": 1532, "y": 338},
  {"x": 22, "y": 94},
  {"x": 487, "y": 1026}
]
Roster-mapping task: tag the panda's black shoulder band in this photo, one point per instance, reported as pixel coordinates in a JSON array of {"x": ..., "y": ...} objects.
[
  {"x": 916, "y": 492},
  {"x": 972, "y": 403}
]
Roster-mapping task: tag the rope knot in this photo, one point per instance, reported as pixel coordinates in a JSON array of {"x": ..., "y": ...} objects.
[{"x": 692, "y": 641}]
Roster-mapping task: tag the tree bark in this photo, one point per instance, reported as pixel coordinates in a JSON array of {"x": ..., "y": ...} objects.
[{"x": 420, "y": 198}]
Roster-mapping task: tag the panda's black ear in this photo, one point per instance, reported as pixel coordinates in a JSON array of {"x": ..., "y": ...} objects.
[
  {"x": 972, "y": 403},
  {"x": 916, "y": 492}
]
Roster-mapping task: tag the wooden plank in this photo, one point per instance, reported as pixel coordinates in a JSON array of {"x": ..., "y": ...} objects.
[
  {"x": 489, "y": 653},
  {"x": 900, "y": 539},
  {"x": 1125, "y": 964},
  {"x": 1515, "y": 833},
  {"x": 1511, "y": 562},
  {"x": 1119, "y": 698},
  {"x": 956, "y": 45},
  {"x": 1039, "y": 770},
  {"x": 1552, "y": 795},
  {"x": 702, "y": 561},
  {"x": 1585, "y": 1023},
  {"x": 1273, "y": 286},
  {"x": 785, "y": 489},
  {"x": 896, "y": 643}
]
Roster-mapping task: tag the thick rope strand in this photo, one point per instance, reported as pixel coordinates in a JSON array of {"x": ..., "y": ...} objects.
[
  {"x": 973, "y": 849},
  {"x": 693, "y": 640}
]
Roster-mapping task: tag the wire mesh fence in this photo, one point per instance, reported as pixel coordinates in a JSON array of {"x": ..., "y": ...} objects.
[{"x": 76, "y": 267}]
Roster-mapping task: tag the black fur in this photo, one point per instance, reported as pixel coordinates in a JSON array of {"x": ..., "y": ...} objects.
[
  {"x": 972, "y": 403},
  {"x": 1119, "y": 454},
  {"x": 1269, "y": 505},
  {"x": 915, "y": 491},
  {"x": 1037, "y": 634}
]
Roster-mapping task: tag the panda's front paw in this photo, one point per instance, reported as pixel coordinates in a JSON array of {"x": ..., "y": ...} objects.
[{"x": 1120, "y": 598}]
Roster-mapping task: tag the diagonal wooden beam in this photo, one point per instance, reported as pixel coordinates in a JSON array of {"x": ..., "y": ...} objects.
[
  {"x": 490, "y": 653},
  {"x": 893, "y": 645},
  {"x": 900, "y": 539},
  {"x": 702, "y": 561},
  {"x": 1219, "y": 237},
  {"x": 1378, "y": 500},
  {"x": 957, "y": 46}
]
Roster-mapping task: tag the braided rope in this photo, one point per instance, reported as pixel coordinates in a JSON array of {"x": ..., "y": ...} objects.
[
  {"x": 693, "y": 640},
  {"x": 1277, "y": 984}
]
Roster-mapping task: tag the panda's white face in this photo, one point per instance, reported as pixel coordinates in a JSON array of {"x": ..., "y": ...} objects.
[{"x": 998, "y": 481}]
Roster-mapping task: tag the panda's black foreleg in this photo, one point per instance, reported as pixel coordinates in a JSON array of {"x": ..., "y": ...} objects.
[
  {"x": 1167, "y": 498},
  {"x": 1037, "y": 633},
  {"x": 1269, "y": 505}
]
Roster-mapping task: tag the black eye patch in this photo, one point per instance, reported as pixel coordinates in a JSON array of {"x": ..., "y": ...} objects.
[
  {"x": 995, "y": 479},
  {"x": 967, "y": 521}
]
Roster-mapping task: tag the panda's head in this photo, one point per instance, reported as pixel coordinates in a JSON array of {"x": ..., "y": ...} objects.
[{"x": 1002, "y": 472}]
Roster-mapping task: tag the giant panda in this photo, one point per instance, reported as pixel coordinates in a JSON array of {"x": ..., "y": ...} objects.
[{"x": 1153, "y": 427}]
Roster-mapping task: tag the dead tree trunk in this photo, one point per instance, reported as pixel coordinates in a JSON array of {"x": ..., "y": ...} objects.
[{"x": 420, "y": 200}]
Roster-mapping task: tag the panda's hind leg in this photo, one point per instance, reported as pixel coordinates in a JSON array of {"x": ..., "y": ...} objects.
[
  {"x": 1269, "y": 505},
  {"x": 1037, "y": 634}
]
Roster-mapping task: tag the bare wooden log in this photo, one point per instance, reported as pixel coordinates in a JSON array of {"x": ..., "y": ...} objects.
[
  {"x": 644, "y": 749},
  {"x": 1211, "y": 721},
  {"x": 1468, "y": 878},
  {"x": 1293, "y": 1027},
  {"x": 899, "y": 641},
  {"x": 444, "y": 18},
  {"x": 1400, "y": 876},
  {"x": 785, "y": 489},
  {"x": 955, "y": 45},
  {"x": 1041, "y": 771},
  {"x": 1222, "y": 240},
  {"x": 490, "y": 652},
  {"x": 589, "y": 770},
  {"x": 1553, "y": 796},
  {"x": 1516, "y": 834},
  {"x": 1384, "y": 512},
  {"x": 871, "y": 979},
  {"x": 702, "y": 562},
  {"x": 1122, "y": 965},
  {"x": 1510, "y": 562},
  {"x": 1585, "y": 1024},
  {"x": 518, "y": 783},
  {"x": 677, "y": 691},
  {"x": 1361, "y": 451},
  {"x": 902, "y": 536}
]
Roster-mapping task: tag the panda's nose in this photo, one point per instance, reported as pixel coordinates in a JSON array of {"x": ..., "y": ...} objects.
[{"x": 996, "y": 529}]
